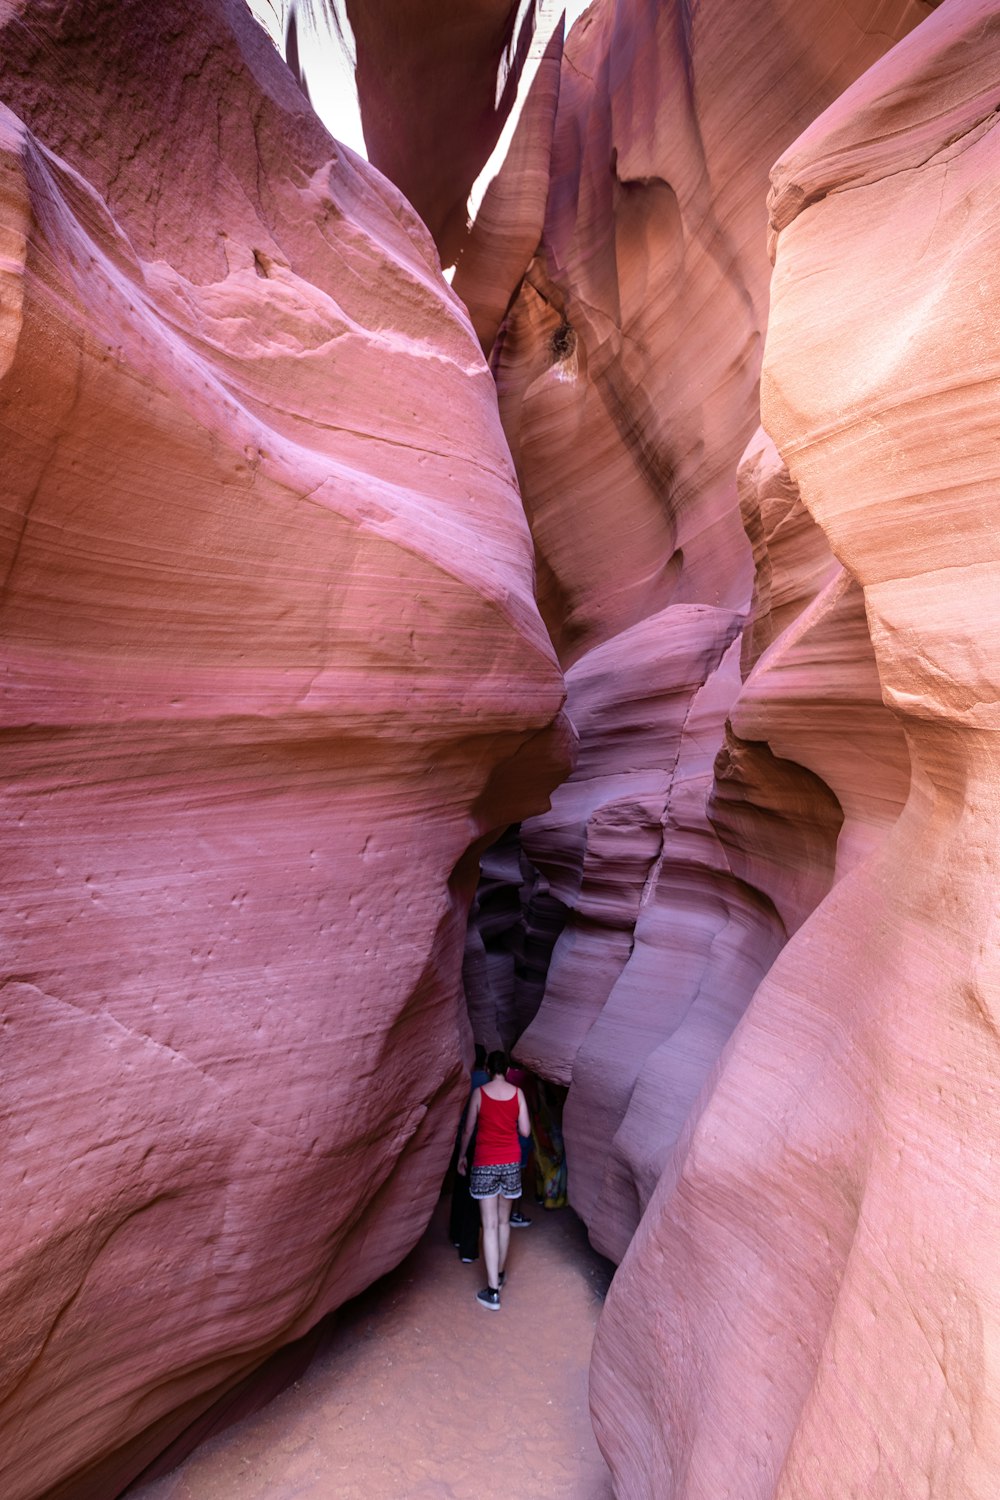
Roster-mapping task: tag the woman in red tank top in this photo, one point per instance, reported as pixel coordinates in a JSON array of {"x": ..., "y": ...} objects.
[{"x": 497, "y": 1112}]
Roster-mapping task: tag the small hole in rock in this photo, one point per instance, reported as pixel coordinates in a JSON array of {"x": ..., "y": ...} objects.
[{"x": 563, "y": 341}]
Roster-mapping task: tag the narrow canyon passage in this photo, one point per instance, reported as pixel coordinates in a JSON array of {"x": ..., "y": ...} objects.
[
  {"x": 652, "y": 563},
  {"x": 421, "y": 1394}
]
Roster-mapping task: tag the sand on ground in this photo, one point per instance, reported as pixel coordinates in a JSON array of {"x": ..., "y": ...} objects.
[{"x": 421, "y": 1394}]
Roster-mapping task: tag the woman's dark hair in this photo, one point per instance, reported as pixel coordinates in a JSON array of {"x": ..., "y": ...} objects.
[{"x": 496, "y": 1064}]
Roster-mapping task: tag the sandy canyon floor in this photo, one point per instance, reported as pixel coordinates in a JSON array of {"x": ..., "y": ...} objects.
[{"x": 421, "y": 1394}]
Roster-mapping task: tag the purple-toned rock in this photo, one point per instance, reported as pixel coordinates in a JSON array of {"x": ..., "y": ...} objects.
[
  {"x": 822, "y": 1260},
  {"x": 685, "y": 847},
  {"x": 271, "y": 666}
]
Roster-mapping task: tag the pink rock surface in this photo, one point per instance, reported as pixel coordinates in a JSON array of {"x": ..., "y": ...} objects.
[
  {"x": 613, "y": 812},
  {"x": 627, "y": 371},
  {"x": 432, "y": 141},
  {"x": 812, "y": 690},
  {"x": 271, "y": 666},
  {"x": 629, "y": 361},
  {"x": 822, "y": 1263},
  {"x": 509, "y": 224}
]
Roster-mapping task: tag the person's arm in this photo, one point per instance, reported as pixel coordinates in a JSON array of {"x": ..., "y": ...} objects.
[
  {"x": 523, "y": 1118},
  {"x": 471, "y": 1117}
]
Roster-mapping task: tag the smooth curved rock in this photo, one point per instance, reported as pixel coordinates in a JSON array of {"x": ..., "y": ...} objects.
[
  {"x": 824, "y": 1262},
  {"x": 812, "y": 688},
  {"x": 508, "y": 226},
  {"x": 433, "y": 141},
  {"x": 627, "y": 373},
  {"x": 272, "y": 674}
]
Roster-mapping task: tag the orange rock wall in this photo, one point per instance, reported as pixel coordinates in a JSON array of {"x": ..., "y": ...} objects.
[{"x": 271, "y": 667}]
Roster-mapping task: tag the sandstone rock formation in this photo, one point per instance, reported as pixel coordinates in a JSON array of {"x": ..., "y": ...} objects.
[
  {"x": 812, "y": 689},
  {"x": 274, "y": 679},
  {"x": 627, "y": 370},
  {"x": 436, "y": 81},
  {"x": 822, "y": 1257},
  {"x": 272, "y": 668}
]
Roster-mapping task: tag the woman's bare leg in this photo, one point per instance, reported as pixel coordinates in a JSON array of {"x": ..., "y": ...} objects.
[
  {"x": 489, "y": 1214},
  {"x": 504, "y": 1206}
]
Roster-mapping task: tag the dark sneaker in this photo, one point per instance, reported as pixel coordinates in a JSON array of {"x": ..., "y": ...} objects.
[
  {"x": 519, "y": 1220},
  {"x": 489, "y": 1297},
  {"x": 501, "y": 1279},
  {"x": 467, "y": 1260}
]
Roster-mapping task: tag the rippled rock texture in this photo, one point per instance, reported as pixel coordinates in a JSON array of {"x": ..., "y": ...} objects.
[
  {"x": 782, "y": 673},
  {"x": 701, "y": 618},
  {"x": 822, "y": 1262},
  {"x": 271, "y": 666},
  {"x": 274, "y": 677}
]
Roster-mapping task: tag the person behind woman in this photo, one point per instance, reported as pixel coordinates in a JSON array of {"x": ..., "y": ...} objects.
[
  {"x": 498, "y": 1111},
  {"x": 463, "y": 1220}
]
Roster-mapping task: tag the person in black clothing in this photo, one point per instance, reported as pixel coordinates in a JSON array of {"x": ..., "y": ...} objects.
[{"x": 463, "y": 1220}]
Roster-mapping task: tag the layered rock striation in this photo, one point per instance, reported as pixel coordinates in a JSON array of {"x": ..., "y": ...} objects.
[
  {"x": 703, "y": 820},
  {"x": 274, "y": 678},
  {"x": 822, "y": 1260},
  {"x": 272, "y": 674}
]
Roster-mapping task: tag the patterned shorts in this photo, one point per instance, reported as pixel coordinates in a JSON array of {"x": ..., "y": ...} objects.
[{"x": 489, "y": 1182}]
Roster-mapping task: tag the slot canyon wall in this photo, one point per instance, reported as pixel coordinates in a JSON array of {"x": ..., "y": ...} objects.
[
  {"x": 273, "y": 673},
  {"x": 627, "y": 368},
  {"x": 780, "y": 661},
  {"x": 822, "y": 1259},
  {"x": 294, "y": 590}
]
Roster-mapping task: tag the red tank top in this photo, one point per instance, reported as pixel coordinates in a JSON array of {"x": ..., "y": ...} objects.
[{"x": 497, "y": 1142}]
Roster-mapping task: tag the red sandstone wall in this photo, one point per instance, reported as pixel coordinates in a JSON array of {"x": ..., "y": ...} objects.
[
  {"x": 703, "y": 820},
  {"x": 271, "y": 664},
  {"x": 816, "y": 1281}
]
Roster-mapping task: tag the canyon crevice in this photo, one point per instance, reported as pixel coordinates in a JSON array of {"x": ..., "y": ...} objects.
[{"x": 644, "y": 578}]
